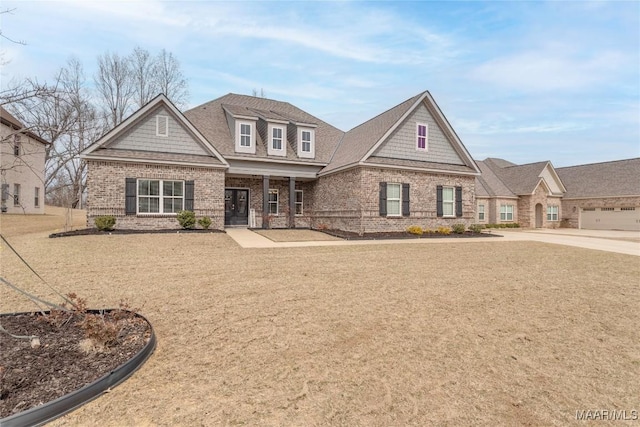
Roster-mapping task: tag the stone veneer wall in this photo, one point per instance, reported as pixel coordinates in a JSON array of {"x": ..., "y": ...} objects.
[
  {"x": 349, "y": 200},
  {"x": 527, "y": 208},
  {"x": 282, "y": 185},
  {"x": 571, "y": 207},
  {"x": 106, "y": 193}
]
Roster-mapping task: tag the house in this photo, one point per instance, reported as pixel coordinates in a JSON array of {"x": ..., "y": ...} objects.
[
  {"x": 248, "y": 161},
  {"x": 22, "y": 162},
  {"x": 530, "y": 194},
  {"x": 602, "y": 196}
]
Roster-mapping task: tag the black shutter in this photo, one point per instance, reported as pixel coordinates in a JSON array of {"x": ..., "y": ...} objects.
[
  {"x": 458, "y": 201},
  {"x": 439, "y": 211},
  {"x": 405, "y": 200},
  {"x": 383, "y": 199},
  {"x": 188, "y": 196},
  {"x": 130, "y": 191}
]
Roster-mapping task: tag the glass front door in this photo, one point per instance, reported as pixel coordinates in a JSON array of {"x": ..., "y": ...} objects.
[{"x": 236, "y": 207}]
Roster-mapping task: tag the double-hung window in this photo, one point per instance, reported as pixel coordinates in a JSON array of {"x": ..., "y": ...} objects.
[
  {"x": 160, "y": 196},
  {"x": 506, "y": 212},
  {"x": 36, "y": 197},
  {"x": 298, "y": 202},
  {"x": 394, "y": 199},
  {"x": 421, "y": 136},
  {"x": 306, "y": 141},
  {"x": 16, "y": 145},
  {"x": 552, "y": 213},
  {"x": 276, "y": 138},
  {"x": 16, "y": 194},
  {"x": 480, "y": 212},
  {"x": 448, "y": 201},
  {"x": 273, "y": 202},
  {"x": 245, "y": 135}
]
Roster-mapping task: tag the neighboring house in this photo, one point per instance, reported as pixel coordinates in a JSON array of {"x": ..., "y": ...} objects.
[
  {"x": 248, "y": 161},
  {"x": 22, "y": 159},
  {"x": 530, "y": 194},
  {"x": 603, "y": 196}
]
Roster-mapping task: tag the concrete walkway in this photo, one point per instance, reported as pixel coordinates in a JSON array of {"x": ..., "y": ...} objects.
[{"x": 600, "y": 240}]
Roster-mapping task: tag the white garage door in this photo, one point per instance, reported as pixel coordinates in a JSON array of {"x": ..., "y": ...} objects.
[{"x": 610, "y": 218}]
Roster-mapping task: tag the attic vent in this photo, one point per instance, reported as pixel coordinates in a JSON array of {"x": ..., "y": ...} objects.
[{"x": 162, "y": 125}]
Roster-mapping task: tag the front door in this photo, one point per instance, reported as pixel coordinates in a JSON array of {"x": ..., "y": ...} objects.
[{"x": 236, "y": 207}]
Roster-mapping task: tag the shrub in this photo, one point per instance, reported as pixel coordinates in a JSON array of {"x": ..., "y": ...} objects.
[
  {"x": 458, "y": 228},
  {"x": 205, "y": 222},
  {"x": 443, "y": 230},
  {"x": 186, "y": 219},
  {"x": 415, "y": 229},
  {"x": 475, "y": 228},
  {"x": 427, "y": 231},
  {"x": 105, "y": 222}
]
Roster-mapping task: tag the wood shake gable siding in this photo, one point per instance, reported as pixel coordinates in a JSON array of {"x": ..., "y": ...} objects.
[
  {"x": 142, "y": 137},
  {"x": 402, "y": 143}
]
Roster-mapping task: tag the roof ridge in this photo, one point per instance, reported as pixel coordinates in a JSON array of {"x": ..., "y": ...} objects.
[
  {"x": 598, "y": 163},
  {"x": 387, "y": 110}
]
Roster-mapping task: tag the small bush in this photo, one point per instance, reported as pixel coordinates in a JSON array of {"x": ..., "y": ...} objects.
[
  {"x": 415, "y": 229},
  {"x": 105, "y": 222},
  {"x": 428, "y": 231},
  {"x": 205, "y": 222},
  {"x": 458, "y": 228},
  {"x": 186, "y": 219},
  {"x": 475, "y": 228},
  {"x": 443, "y": 230}
]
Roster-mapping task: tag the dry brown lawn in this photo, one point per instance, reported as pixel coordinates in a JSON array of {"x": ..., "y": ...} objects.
[
  {"x": 467, "y": 333},
  {"x": 295, "y": 235}
]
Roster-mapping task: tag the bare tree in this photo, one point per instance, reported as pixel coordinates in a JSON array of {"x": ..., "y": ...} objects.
[
  {"x": 143, "y": 70},
  {"x": 115, "y": 87},
  {"x": 170, "y": 79}
]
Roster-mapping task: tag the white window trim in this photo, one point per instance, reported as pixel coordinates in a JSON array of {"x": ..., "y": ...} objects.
[
  {"x": 160, "y": 197},
  {"x": 273, "y": 151},
  {"x": 277, "y": 202},
  {"x": 159, "y": 125},
  {"x": 252, "y": 137},
  {"x": 426, "y": 137},
  {"x": 506, "y": 210},
  {"x": 551, "y": 213},
  {"x": 301, "y": 202},
  {"x": 312, "y": 152},
  {"x": 446, "y": 202},
  {"x": 399, "y": 199}
]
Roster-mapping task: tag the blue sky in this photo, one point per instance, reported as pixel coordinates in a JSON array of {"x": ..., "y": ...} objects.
[{"x": 525, "y": 81}]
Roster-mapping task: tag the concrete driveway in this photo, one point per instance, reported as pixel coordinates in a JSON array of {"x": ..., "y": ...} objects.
[{"x": 624, "y": 242}]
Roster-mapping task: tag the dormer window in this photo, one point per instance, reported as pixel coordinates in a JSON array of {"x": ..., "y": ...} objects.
[
  {"x": 306, "y": 143},
  {"x": 162, "y": 125},
  {"x": 276, "y": 138},
  {"x": 422, "y": 132},
  {"x": 245, "y": 135}
]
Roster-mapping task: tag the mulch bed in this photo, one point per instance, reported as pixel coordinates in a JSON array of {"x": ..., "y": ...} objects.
[
  {"x": 95, "y": 231},
  {"x": 30, "y": 377},
  {"x": 349, "y": 235}
]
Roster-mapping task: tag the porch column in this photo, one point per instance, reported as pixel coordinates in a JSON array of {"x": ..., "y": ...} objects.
[
  {"x": 265, "y": 201},
  {"x": 292, "y": 202}
]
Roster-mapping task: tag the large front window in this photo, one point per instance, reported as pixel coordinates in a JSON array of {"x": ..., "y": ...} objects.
[
  {"x": 273, "y": 202},
  {"x": 448, "y": 201},
  {"x": 552, "y": 213},
  {"x": 160, "y": 196},
  {"x": 394, "y": 202},
  {"x": 245, "y": 135},
  {"x": 506, "y": 212}
]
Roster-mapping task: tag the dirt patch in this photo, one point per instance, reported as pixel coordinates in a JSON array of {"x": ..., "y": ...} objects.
[
  {"x": 295, "y": 235},
  {"x": 461, "y": 333},
  {"x": 64, "y": 360},
  {"x": 96, "y": 232},
  {"x": 349, "y": 235}
]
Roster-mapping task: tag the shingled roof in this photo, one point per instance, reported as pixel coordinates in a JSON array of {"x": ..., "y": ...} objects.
[
  {"x": 7, "y": 119},
  {"x": 489, "y": 184},
  {"x": 211, "y": 121},
  {"x": 607, "y": 179}
]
